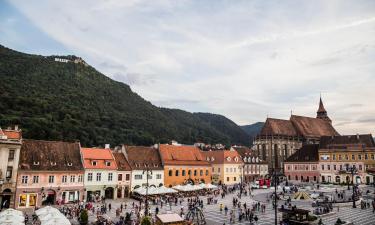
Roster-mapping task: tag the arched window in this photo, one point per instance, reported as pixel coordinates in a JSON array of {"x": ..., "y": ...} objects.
[{"x": 170, "y": 172}]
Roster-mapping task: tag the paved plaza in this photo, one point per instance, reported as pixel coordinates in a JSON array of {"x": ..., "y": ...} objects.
[{"x": 213, "y": 215}]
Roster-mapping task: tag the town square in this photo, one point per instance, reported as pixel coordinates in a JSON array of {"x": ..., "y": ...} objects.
[{"x": 187, "y": 112}]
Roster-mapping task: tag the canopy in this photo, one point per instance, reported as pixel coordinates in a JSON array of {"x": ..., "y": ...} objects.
[
  {"x": 14, "y": 218},
  {"x": 187, "y": 187},
  {"x": 51, "y": 216},
  {"x": 46, "y": 210},
  {"x": 207, "y": 186},
  {"x": 154, "y": 190},
  {"x": 301, "y": 196},
  {"x": 11, "y": 212}
]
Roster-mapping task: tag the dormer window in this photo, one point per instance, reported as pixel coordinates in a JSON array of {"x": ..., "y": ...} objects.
[
  {"x": 229, "y": 159},
  {"x": 208, "y": 158},
  {"x": 94, "y": 163},
  {"x": 236, "y": 159},
  {"x": 70, "y": 164},
  {"x": 107, "y": 163},
  {"x": 212, "y": 159},
  {"x": 36, "y": 163},
  {"x": 53, "y": 163}
]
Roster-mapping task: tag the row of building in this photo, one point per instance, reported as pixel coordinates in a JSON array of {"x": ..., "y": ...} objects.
[{"x": 37, "y": 172}]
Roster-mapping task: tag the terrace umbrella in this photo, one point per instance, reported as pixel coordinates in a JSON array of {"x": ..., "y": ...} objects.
[
  {"x": 11, "y": 212},
  {"x": 57, "y": 221},
  {"x": 46, "y": 210},
  {"x": 11, "y": 219}
]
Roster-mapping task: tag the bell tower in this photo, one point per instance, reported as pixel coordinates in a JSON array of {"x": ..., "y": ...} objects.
[{"x": 322, "y": 113}]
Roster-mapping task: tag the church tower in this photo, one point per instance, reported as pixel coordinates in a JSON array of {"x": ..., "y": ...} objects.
[{"x": 322, "y": 113}]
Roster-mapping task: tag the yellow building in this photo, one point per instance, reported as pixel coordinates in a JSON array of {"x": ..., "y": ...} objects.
[{"x": 227, "y": 166}]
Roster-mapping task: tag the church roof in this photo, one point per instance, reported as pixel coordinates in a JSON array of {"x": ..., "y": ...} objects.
[
  {"x": 308, "y": 153},
  {"x": 278, "y": 127},
  {"x": 363, "y": 139},
  {"x": 312, "y": 127}
]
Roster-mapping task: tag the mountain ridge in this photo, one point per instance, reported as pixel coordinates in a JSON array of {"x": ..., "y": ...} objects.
[{"x": 73, "y": 101}]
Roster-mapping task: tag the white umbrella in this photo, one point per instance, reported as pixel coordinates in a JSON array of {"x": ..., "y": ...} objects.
[
  {"x": 11, "y": 212},
  {"x": 47, "y": 217},
  {"x": 46, "y": 210},
  {"x": 60, "y": 221},
  {"x": 12, "y": 218},
  {"x": 10, "y": 221}
]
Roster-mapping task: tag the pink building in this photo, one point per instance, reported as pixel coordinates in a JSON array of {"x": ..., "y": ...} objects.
[
  {"x": 50, "y": 172},
  {"x": 303, "y": 164},
  {"x": 123, "y": 175}
]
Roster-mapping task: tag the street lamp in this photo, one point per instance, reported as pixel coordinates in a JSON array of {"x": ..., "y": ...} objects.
[
  {"x": 241, "y": 178},
  {"x": 148, "y": 171},
  {"x": 352, "y": 170}
]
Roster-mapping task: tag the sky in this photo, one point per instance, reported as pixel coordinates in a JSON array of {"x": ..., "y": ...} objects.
[{"x": 246, "y": 60}]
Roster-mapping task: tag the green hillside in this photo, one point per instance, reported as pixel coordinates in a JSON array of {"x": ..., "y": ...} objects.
[
  {"x": 253, "y": 130},
  {"x": 69, "y": 101}
]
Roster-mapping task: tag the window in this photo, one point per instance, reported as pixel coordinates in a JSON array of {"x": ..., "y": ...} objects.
[
  {"x": 170, "y": 172},
  {"x": 359, "y": 157},
  {"x": 98, "y": 176},
  {"x": 11, "y": 154},
  {"x": 107, "y": 163},
  {"x": 158, "y": 176},
  {"x": 127, "y": 177},
  {"x": 72, "y": 179},
  {"x": 334, "y": 157},
  {"x": 227, "y": 170},
  {"x": 138, "y": 177},
  {"x": 372, "y": 156},
  {"x": 9, "y": 172},
  {"x": 70, "y": 164},
  {"x": 353, "y": 157},
  {"x": 234, "y": 169},
  {"x": 189, "y": 172},
  {"x": 35, "y": 179},
  {"x": 234, "y": 178},
  {"x": 195, "y": 172},
  {"x": 110, "y": 176},
  {"x": 94, "y": 163},
  {"x": 183, "y": 173},
  {"x": 176, "y": 173},
  {"x": 119, "y": 177},
  {"x": 51, "y": 179},
  {"x": 218, "y": 169},
  {"x": 149, "y": 176},
  {"x": 334, "y": 167},
  {"x": 340, "y": 157},
  {"x": 322, "y": 167},
  {"x": 366, "y": 156},
  {"x": 89, "y": 177},
  {"x": 63, "y": 179},
  {"x": 80, "y": 178},
  {"x": 346, "y": 157},
  {"x": 206, "y": 172},
  {"x": 24, "y": 179},
  {"x": 360, "y": 167},
  {"x": 340, "y": 167},
  {"x": 328, "y": 167},
  {"x": 227, "y": 178},
  {"x": 201, "y": 173}
]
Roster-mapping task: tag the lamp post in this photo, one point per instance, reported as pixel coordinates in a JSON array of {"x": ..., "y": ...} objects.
[
  {"x": 241, "y": 168},
  {"x": 353, "y": 170},
  {"x": 146, "y": 171}
]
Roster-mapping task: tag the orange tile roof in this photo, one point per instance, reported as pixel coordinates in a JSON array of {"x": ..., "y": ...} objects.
[
  {"x": 222, "y": 156},
  {"x": 13, "y": 134},
  {"x": 100, "y": 156},
  {"x": 181, "y": 155}
]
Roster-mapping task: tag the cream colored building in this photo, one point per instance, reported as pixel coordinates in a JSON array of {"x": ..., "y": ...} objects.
[{"x": 227, "y": 166}]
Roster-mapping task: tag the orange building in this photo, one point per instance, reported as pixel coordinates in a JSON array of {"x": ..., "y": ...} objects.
[{"x": 184, "y": 164}]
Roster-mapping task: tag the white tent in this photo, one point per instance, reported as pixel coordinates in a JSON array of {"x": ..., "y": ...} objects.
[
  {"x": 207, "y": 186},
  {"x": 188, "y": 187},
  {"x": 154, "y": 190}
]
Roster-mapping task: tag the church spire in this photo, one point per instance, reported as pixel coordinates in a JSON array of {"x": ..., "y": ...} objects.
[{"x": 322, "y": 113}]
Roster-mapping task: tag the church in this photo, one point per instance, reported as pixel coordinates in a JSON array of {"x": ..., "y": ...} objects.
[{"x": 284, "y": 137}]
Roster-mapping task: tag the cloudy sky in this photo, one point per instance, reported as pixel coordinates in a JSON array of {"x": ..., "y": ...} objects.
[{"x": 242, "y": 59}]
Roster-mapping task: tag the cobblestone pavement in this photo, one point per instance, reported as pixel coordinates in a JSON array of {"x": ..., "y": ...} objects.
[{"x": 213, "y": 215}]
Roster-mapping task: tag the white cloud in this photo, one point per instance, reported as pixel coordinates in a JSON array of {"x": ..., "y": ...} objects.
[{"x": 242, "y": 59}]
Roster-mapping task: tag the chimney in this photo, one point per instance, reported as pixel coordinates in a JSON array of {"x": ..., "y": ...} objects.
[
  {"x": 15, "y": 127},
  {"x": 107, "y": 146},
  {"x": 357, "y": 136}
]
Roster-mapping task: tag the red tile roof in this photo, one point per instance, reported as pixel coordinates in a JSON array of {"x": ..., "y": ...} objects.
[
  {"x": 122, "y": 163},
  {"x": 181, "y": 155},
  {"x": 222, "y": 157},
  {"x": 101, "y": 156},
  {"x": 312, "y": 127},
  {"x": 141, "y": 157},
  {"x": 13, "y": 134},
  {"x": 278, "y": 127}
]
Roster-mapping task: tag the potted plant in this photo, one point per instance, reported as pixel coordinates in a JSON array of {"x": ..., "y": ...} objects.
[
  {"x": 146, "y": 221},
  {"x": 84, "y": 217}
]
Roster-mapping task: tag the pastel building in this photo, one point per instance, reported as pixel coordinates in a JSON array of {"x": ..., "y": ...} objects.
[
  {"x": 100, "y": 173},
  {"x": 184, "y": 164},
  {"x": 302, "y": 165},
  {"x": 49, "y": 172},
  {"x": 124, "y": 172},
  {"x": 339, "y": 153},
  {"x": 10, "y": 145},
  {"x": 254, "y": 168},
  {"x": 226, "y": 165},
  {"x": 145, "y": 162}
]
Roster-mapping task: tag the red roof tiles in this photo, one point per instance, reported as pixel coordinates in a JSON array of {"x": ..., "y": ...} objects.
[
  {"x": 223, "y": 157},
  {"x": 100, "y": 156},
  {"x": 181, "y": 155}
]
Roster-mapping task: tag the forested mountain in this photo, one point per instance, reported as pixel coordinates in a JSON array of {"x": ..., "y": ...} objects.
[
  {"x": 72, "y": 101},
  {"x": 253, "y": 130}
]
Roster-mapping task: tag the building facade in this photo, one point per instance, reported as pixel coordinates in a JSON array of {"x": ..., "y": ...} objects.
[
  {"x": 123, "y": 175},
  {"x": 184, "y": 164},
  {"x": 227, "y": 166},
  {"x": 49, "y": 172},
  {"x": 339, "y": 153},
  {"x": 146, "y": 166},
  {"x": 303, "y": 165},
  {"x": 100, "y": 173},
  {"x": 254, "y": 168},
  {"x": 10, "y": 145},
  {"x": 279, "y": 138}
]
